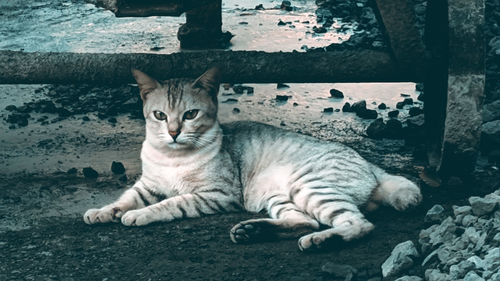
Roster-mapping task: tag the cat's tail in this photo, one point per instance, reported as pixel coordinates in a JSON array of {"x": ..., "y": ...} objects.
[{"x": 396, "y": 191}]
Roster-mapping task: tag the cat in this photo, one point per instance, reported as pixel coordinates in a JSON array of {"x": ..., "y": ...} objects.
[{"x": 192, "y": 166}]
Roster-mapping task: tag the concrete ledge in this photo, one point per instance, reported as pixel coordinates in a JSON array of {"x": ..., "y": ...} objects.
[{"x": 239, "y": 66}]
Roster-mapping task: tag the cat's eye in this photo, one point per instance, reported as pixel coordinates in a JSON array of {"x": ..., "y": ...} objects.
[
  {"x": 159, "y": 115},
  {"x": 191, "y": 114}
]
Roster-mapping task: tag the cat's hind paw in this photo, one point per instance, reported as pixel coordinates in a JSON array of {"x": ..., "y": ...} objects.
[
  {"x": 137, "y": 218},
  {"x": 103, "y": 215}
]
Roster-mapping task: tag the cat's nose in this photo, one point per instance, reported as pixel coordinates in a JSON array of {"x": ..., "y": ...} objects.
[{"x": 173, "y": 134}]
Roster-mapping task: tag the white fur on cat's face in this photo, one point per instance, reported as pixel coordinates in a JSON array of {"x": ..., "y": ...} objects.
[{"x": 172, "y": 99}]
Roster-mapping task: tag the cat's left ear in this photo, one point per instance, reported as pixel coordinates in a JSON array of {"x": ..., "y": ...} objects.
[
  {"x": 146, "y": 84},
  {"x": 209, "y": 81}
]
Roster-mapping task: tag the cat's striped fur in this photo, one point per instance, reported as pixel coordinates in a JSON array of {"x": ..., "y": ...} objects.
[{"x": 193, "y": 167}]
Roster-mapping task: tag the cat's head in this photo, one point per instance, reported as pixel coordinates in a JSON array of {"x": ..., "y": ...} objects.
[{"x": 180, "y": 114}]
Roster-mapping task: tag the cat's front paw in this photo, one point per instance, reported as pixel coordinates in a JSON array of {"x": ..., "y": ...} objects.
[
  {"x": 103, "y": 215},
  {"x": 137, "y": 218}
]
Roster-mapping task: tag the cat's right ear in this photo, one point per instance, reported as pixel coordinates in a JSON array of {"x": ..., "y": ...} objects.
[{"x": 146, "y": 84}]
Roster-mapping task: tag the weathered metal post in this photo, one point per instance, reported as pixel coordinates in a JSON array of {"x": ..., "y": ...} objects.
[
  {"x": 454, "y": 85},
  {"x": 203, "y": 27}
]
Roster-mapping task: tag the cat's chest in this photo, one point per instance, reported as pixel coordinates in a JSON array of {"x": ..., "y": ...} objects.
[{"x": 172, "y": 180}]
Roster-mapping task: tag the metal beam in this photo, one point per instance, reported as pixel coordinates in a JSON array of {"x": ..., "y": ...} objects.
[{"x": 239, "y": 66}]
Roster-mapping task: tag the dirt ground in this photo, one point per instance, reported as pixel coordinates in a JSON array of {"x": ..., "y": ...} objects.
[{"x": 43, "y": 236}]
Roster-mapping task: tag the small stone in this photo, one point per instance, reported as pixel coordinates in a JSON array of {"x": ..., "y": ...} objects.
[
  {"x": 236, "y": 110},
  {"x": 90, "y": 173},
  {"x": 393, "y": 113},
  {"x": 328, "y": 110},
  {"x": 492, "y": 259},
  {"x": 472, "y": 276},
  {"x": 462, "y": 210},
  {"x": 286, "y": 5},
  {"x": 414, "y": 111},
  {"x": 404, "y": 95},
  {"x": 281, "y": 23},
  {"x": 117, "y": 168},
  {"x": 421, "y": 97},
  {"x": 401, "y": 258},
  {"x": 346, "y": 107},
  {"x": 435, "y": 275},
  {"x": 393, "y": 129},
  {"x": 400, "y": 105},
  {"x": 408, "y": 101},
  {"x": 72, "y": 171},
  {"x": 367, "y": 114},
  {"x": 334, "y": 93},
  {"x": 259, "y": 7},
  {"x": 295, "y": 104},
  {"x": 382, "y": 106},
  {"x": 282, "y": 86},
  {"x": 435, "y": 214},
  {"x": 482, "y": 206},
  {"x": 490, "y": 111},
  {"x": 376, "y": 129},
  {"x": 320, "y": 29},
  {"x": 345, "y": 272},
  {"x": 358, "y": 106},
  {"x": 282, "y": 97},
  {"x": 10, "y": 107},
  {"x": 409, "y": 278},
  {"x": 230, "y": 101}
]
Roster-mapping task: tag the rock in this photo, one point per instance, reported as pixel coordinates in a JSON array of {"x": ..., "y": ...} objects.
[
  {"x": 409, "y": 278},
  {"x": 90, "y": 173},
  {"x": 462, "y": 210},
  {"x": 393, "y": 113},
  {"x": 320, "y": 29},
  {"x": 72, "y": 171},
  {"x": 358, "y": 106},
  {"x": 482, "y": 206},
  {"x": 295, "y": 104},
  {"x": 408, "y": 101},
  {"x": 282, "y": 97},
  {"x": 236, "y": 110},
  {"x": 472, "y": 276},
  {"x": 281, "y": 23},
  {"x": 414, "y": 111},
  {"x": 400, "y": 105},
  {"x": 286, "y": 5},
  {"x": 367, "y": 114},
  {"x": 404, "y": 95},
  {"x": 282, "y": 86},
  {"x": 491, "y": 111},
  {"x": 259, "y": 7},
  {"x": 382, "y": 106},
  {"x": 238, "y": 89},
  {"x": 230, "y": 101},
  {"x": 10, "y": 107},
  {"x": 334, "y": 93},
  {"x": 345, "y": 272},
  {"x": 346, "y": 107},
  {"x": 419, "y": 87},
  {"x": 492, "y": 259},
  {"x": 376, "y": 129},
  {"x": 435, "y": 275},
  {"x": 117, "y": 168},
  {"x": 415, "y": 122},
  {"x": 328, "y": 110},
  {"x": 401, "y": 258},
  {"x": 421, "y": 97},
  {"x": 393, "y": 129},
  {"x": 435, "y": 214}
]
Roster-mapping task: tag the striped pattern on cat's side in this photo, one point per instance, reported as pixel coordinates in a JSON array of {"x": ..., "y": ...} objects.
[{"x": 194, "y": 166}]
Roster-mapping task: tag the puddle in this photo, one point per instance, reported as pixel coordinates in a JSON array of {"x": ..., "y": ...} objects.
[{"x": 80, "y": 27}]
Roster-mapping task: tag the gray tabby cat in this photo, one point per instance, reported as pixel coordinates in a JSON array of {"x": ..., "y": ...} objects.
[{"x": 193, "y": 166}]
